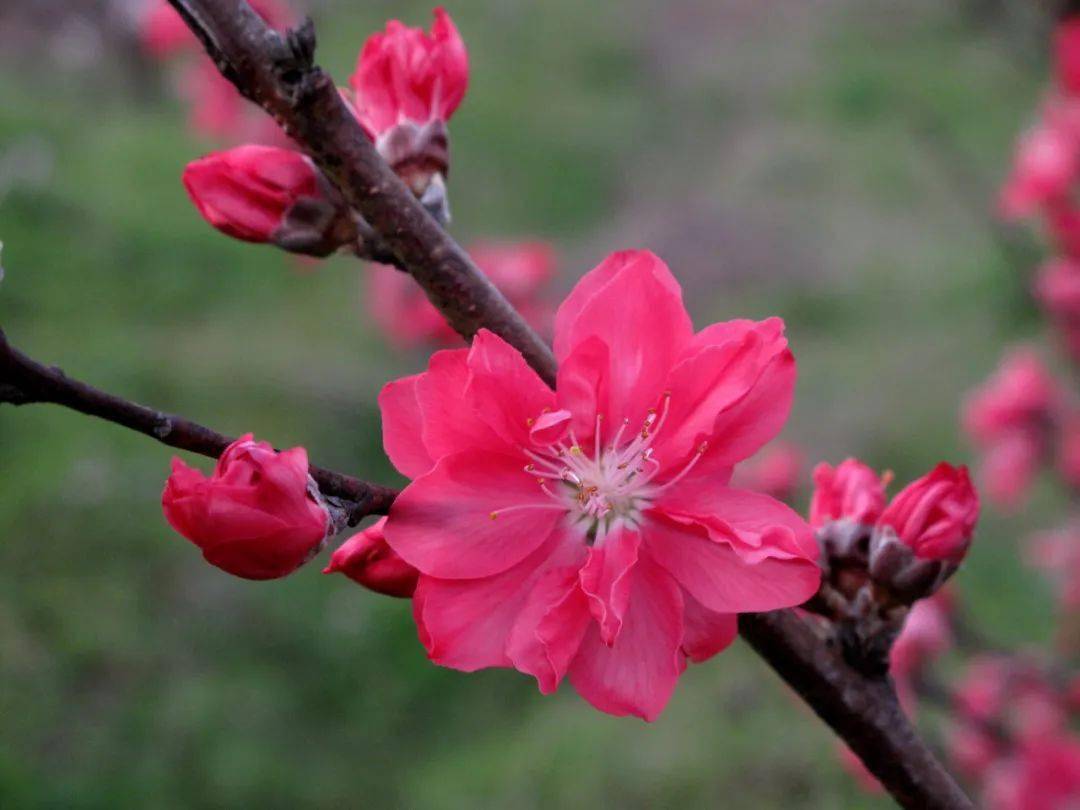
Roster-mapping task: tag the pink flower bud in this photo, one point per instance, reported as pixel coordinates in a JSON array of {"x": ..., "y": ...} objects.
[
  {"x": 267, "y": 194},
  {"x": 849, "y": 491},
  {"x": 366, "y": 559},
  {"x": 256, "y": 516},
  {"x": 404, "y": 75},
  {"x": 1067, "y": 55},
  {"x": 935, "y": 515}
]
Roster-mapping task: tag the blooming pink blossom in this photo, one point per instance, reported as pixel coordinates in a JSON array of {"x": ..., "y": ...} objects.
[
  {"x": 366, "y": 559},
  {"x": 1068, "y": 450},
  {"x": 255, "y": 516},
  {"x": 849, "y": 491},
  {"x": 406, "y": 76},
  {"x": 1008, "y": 417},
  {"x": 520, "y": 270},
  {"x": 775, "y": 471},
  {"x": 266, "y": 194},
  {"x": 935, "y": 515},
  {"x": 588, "y": 531}
]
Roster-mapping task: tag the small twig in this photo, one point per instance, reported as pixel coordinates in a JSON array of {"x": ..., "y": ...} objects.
[
  {"x": 277, "y": 71},
  {"x": 24, "y": 381}
]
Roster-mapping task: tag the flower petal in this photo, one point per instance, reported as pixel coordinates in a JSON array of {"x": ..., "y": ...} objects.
[
  {"x": 465, "y": 624},
  {"x": 503, "y": 390},
  {"x": 442, "y": 522},
  {"x": 402, "y": 427},
  {"x": 605, "y": 580},
  {"x": 639, "y": 315},
  {"x": 638, "y": 674},
  {"x": 705, "y": 632},
  {"x": 549, "y": 628},
  {"x": 450, "y": 423},
  {"x": 723, "y": 580}
]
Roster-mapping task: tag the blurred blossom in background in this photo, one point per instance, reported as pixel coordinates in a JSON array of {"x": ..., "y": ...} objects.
[{"x": 831, "y": 162}]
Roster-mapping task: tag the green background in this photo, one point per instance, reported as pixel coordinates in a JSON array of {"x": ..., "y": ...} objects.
[{"x": 830, "y": 162}]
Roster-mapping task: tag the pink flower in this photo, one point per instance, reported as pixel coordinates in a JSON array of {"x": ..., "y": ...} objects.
[
  {"x": 366, "y": 559},
  {"x": 1044, "y": 774},
  {"x": 255, "y": 516},
  {"x": 400, "y": 309},
  {"x": 926, "y": 636},
  {"x": 588, "y": 531},
  {"x": 935, "y": 515},
  {"x": 266, "y": 194},
  {"x": 1057, "y": 554},
  {"x": 164, "y": 34},
  {"x": 1067, "y": 55},
  {"x": 1068, "y": 450},
  {"x": 775, "y": 471},
  {"x": 1044, "y": 168},
  {"x": 1008, "y": 418},
  {"x": 850, "y": 491},
  {"x": 1063, "y": 221},
  {"x": 1020, "y": 393},
  {"x": 406, "y": 76}
]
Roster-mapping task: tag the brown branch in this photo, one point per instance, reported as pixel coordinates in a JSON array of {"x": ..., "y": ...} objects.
[
  {"x": 277, "y": 72},
  {"x": 24, "y": 381},
  {"x": 863, "y": 711}
]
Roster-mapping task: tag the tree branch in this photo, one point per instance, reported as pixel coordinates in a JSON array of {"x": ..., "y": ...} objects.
[
  {"x": 863, "y": 711},
  {"x": 24, "y": 381},
  {"x": 277, "y": 71}
]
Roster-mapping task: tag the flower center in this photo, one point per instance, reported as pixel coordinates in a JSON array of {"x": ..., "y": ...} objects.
[{"x": 615, "y": 481}]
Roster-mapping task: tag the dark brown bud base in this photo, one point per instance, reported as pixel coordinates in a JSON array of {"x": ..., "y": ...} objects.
[{"x": 869, "y": 581}]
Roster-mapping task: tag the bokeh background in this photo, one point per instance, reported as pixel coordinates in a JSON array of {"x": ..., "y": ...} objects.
[{"x": 829, "y": 161}]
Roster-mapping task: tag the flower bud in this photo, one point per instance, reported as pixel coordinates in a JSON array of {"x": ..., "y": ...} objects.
[
  {"x": 849, "y": 491},
  {"x": 923, "y": 535},
  {"x": 366, "y": 559},
  {"x": 935, "y": 515},
  {"x": 266, "y": 194},
  {"x": 406, "y": 86},
  {"x": 258, "y": 515}
]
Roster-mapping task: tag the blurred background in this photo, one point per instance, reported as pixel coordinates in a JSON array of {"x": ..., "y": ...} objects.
[{"x": 829, "y": 161}]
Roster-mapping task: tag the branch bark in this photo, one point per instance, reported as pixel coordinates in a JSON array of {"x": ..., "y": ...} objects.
[
  {"x": 277, "y": 71},
  {"x": 24, "y": 381}
]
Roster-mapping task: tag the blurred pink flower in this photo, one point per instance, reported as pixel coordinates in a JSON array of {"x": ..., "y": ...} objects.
[
  {"x": 1009, "y": 418},
  {"x": 775, "y": 471},
  {"x": 1067, "y": 55},
  {"x": 589, "y": 531},
  {"x": 1044, "y": 168},
  {"x": 520, "y": 270},
  {"x": 1042, "y": 774},
  {"x": 926, "y": 635},
  {"x": 1057, "y": 554}
]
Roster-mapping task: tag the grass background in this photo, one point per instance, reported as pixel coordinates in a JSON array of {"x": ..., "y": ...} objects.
[{"x": 831, "y": 162}]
